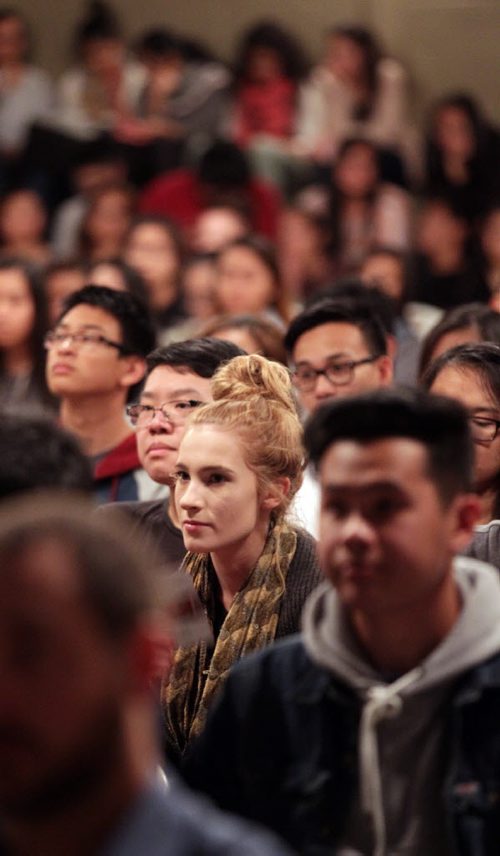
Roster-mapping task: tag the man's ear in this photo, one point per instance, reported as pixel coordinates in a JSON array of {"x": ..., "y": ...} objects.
[
  {"x": 385, "y": 363},
  {"x": 275, "y": 493},
  {"x": 134, "y": 369},
  {"x": 466, "y": 508}
]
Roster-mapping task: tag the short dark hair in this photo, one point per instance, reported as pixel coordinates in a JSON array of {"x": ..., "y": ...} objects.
[
  {"x": 437, "y": 422},
  {"x": 482, "y": 358},
  {"x": 138, "y": 334},
  {"x": 342, "y": 311},
  {"x": 352, "y": 289},
  {"x": 478, "y": 315},
  {"x": 36, "y": 453},
  {"x": 225, "y": 166},
  {"x": 201, "y": 356},
  {"x": 114, "y": 568}
]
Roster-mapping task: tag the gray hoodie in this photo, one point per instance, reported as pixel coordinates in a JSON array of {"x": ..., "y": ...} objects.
[{"x": 402, "y": 734}]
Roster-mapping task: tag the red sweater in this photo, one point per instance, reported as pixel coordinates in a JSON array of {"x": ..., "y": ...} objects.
[
  {"x": 179, "y": 196},
  {"x": 265, "y": 109}
]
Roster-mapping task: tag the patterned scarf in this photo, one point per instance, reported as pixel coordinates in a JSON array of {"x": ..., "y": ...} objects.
[{"x": 250, "y": 624}]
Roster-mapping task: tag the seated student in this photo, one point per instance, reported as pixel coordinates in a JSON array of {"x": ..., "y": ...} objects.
[
  {"x": 222, "y": 176},
  {"x": 79, "y": 607},
  {"x": 177, "y": 379},
  {"x": 340, "y": 738},
  {"x": 183, "y": 100},
  {"x": 95, "y": 360},
  {"x": 23, "y": 220},
  {"x": 97, "y": 164},
  {"x": 337, "y": 347},
  {"x": 106, "y": 223},
  {"x": 471, "y": 375},
  {"x": 462, "y": 162},
  {"x": 23, "y": 325},
  {"x": 248, "y": 281},
  {"x": 386, "y": 270},
  {"x": 470, "y": 323},
  {"x": 26, "y": 93},
  {"x": 153, "y": 247},
  {"x": 238, "y": 468},
  {"x": 362, "y": 210},
  {"x": 357, "y": 91},
  {"x": 444, "y": 273},
  {"x": 104, "y": 83}
]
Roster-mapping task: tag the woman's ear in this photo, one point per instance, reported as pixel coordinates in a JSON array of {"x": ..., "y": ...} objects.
[{"x": 275, "y": 493}]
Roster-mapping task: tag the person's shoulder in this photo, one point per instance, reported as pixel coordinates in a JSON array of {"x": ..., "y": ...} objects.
[
  {"x": 197, "y": 827},
  {"x": 175, "y": 821},
  {"x": 280, "y": 664},
  {"x": 485, "y": 544}
]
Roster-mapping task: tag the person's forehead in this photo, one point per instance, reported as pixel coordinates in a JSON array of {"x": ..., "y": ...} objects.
[
  {"x": 464, "y": 384},
  {"x": 350, "y": 463},
  {"x": 330, "y": 338},
  {"x": 165, "y": 382},
  {"x": 84, "y": 315}
]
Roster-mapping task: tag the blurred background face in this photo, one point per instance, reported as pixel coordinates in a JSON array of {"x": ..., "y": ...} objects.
[
  {"x": 264, "y": 64},
  {"x": 462, "y": 336},
  {"x": 109, "y": 217},
  {"x": 152, "y": 251},
  {"x": 58, "y": 286},
  {"x": 466, "y": 386},
  {"x": 238, "y": 336},
  {"x": 107, "y": 275},
  {"x": 490, "y": 237},
  {"x": 217, "y": 227},
  {"x": 22, "y": 217},
  {"x": 438, "y": 227},
  {"x": 13, "y": 41},
  {"x": 386, "y": 273},
  {"x": 244, "y": 282},
  {"x": 17, "y": 309},
  {"x": 102, "y": 56},
  {"x": 345, "y": 58},
  {"x": 454, "y": 133},
  {"x": 356, "y": 173},
  {"x": 198, "y": 285}
]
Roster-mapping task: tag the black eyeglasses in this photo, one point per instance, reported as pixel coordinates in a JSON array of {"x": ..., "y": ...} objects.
[
  {"x": 338, "y": 374},
  {"x": 177, "y": 413},
  {"x": 484, "y": 429},
  {"x": 80, "y": 340}
]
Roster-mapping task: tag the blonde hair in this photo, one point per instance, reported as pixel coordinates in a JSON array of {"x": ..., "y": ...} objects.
[{"x": 254, "y": 397}]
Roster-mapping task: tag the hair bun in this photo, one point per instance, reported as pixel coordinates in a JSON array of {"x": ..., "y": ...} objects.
[{"x": 253, "y": 376}]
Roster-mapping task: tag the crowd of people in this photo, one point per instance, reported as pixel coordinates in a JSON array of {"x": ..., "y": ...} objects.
[{"x": 250, "y": 445}]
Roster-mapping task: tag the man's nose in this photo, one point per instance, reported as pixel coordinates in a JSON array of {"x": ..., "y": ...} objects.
[
  {"x": 356, "y": 529},
  {"x": 159, "y": 425},
  {"x": 324, "y": 389}
]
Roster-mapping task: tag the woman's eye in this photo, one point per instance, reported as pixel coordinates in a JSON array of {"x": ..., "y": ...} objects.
[
  {"x": 181, "y": 476},
  {"x": 216, "y": 478}
]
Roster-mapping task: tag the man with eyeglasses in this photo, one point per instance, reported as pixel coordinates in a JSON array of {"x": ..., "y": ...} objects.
[
  {"x": 177, "y": 381},
  {"x": 337, "y": 347},
  {"x": 95, "y": 363}
]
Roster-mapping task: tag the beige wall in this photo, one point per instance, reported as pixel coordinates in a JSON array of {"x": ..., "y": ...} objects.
[{"x": 446, "y": 44}]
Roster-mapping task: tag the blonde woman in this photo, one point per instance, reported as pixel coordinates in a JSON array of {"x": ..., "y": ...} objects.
[{"x": 239, "y": 466}]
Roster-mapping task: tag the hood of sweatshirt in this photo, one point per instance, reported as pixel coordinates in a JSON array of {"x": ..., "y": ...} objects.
[{"x": 474, "y": 638}]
